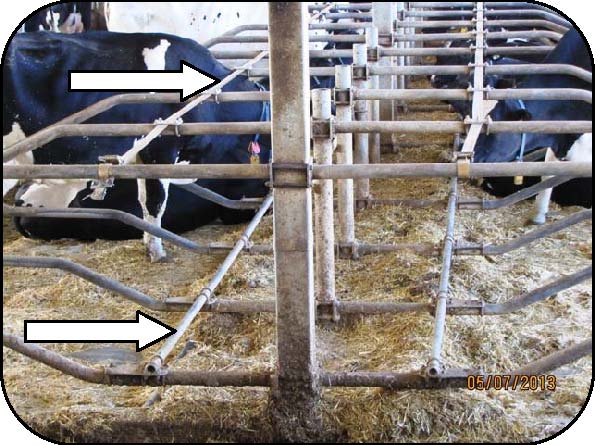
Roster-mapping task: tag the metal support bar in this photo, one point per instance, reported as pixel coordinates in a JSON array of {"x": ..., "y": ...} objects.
[
  {"x": 341, "y": 171},
  {"x": 539, "y": 233},
  {"x": 323, "y": 203},
  {"x": 374, "y": 106},
  {"x": 125, "y": 376},
  {"x": 521, "y": 195},
  {"x": 554, "y": 18},
  {"x": 89, "y": 130},
  {"x": 477, "y": 99},
  {"x": 153, "y": 366},
  {"x": 383, "y": 14},
  {"x": 116, "y": 215},
  {"x": 360, "y": 109},
  {"x": 434, "y": 367},
  {"x": 88, "y": 275},
  {"x": 209, "y": 195},
  {"x": 395, "y": 52},
  {"x": 507, "y": 24},
  {"x": 539, "y": 294},
  {"x": 450, "y": 37},
  {"x": 346, "y": 199}
]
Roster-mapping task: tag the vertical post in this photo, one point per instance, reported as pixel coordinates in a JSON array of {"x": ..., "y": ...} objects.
[
  {"x": 323, "y": 202},
  {"x": 412, "y": 60},
  {"x": 295, "y": 411},
  {"x": 383, "y": 14},
  {"x": 361, "y": 155},
  {"x": 374, "y": 105},
  {"x": 401, "y": 32},
  {"x": 344, "y": 155}
]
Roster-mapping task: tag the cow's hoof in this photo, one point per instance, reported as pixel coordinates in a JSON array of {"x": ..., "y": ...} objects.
[
  {"x": 536, "y": 221},
  {"x": 158, "y": 257}
]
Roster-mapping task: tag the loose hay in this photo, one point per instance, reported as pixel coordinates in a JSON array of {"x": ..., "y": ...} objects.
[{"x": 68, "y": 409}]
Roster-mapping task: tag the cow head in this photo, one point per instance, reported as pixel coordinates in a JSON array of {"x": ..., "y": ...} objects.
[
  {"x": 51, "y": 194},
  {"x": 503, "y": 147}
]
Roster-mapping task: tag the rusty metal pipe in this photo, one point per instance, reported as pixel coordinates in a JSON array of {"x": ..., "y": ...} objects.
[
  {"x": 539, "y": 233},
  {"x": 434, "y": 367},
  {"x": 87, "y": 274},
  {"x": 559, "y": 285},
  {"x": 341, "y": 171},
  {"x": 468, "y": 23},
  {"x": 153, "y": 366},
  {"x": 521, "y": 195}
]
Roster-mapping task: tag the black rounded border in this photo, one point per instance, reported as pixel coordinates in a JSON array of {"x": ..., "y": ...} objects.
[{"x": 50, "y": 440}]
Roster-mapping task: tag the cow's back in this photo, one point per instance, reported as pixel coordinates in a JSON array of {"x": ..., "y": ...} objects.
[{"x": 35, "y": 83}]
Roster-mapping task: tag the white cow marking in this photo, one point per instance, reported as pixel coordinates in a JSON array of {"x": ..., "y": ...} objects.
[
  {"x": 581, "y": 151},
  {"x": 16, "y": 135},
  {"x": 154, "y": 244},
  {"x": 53, "y": 21},
  {"x": 542, "y": 201},
  {"x": 155, "y": 57},
  {"x": 53, "y": 194}
]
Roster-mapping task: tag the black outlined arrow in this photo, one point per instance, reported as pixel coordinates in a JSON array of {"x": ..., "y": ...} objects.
[
  {"x": 144, "y": 331},
  {"x": 188, "y": 80}
]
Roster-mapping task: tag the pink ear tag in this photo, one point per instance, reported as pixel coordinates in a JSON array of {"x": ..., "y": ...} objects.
[{"x": 254, "y": 148}]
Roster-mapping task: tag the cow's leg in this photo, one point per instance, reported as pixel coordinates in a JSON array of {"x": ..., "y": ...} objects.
[
  {"x": 152, "y": 196},
  {"x": 542, "y": 202}
]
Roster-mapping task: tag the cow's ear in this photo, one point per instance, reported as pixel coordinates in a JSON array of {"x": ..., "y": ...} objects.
[{"x": 519, "y": 115}]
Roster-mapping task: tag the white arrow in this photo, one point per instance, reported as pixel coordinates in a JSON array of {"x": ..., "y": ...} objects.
[
  {"x": 188, "y": 80},
  {"x": 144, "y": 331}
]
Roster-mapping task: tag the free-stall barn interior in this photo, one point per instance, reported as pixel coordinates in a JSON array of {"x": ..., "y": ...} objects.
[{"x": 362, "y": 283}]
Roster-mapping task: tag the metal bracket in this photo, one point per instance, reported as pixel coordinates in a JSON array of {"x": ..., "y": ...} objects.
[
  {"x": 105, "y": 180},
  {"x": 329, "y": 311},
  {"x": 298, "y": 175},
  {"x": 323, "y": 129},
  {"x": 386, "y": 40},
  {"x": 360, "y": 72},
  {"x": 343, "y": 97},
  {"x": 373, "y": 54},
  {"x": 463, "y": 161},
  {"x": 469, "y": 249},
  {"x": 466, "y": 306}
]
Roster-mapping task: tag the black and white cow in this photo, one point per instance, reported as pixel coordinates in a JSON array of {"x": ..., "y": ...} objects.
[
  {"x": 505, "y": 147},
  {"x": 65, "y": 17},
  {"x": 35, "y": 95},
  {"x": 463, "y": 81}
]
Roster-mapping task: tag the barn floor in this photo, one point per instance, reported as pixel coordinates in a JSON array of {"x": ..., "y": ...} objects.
[{"x": 64, "y": 408}]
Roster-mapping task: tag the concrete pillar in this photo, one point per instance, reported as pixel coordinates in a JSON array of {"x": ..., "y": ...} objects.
[{"x": 295, "y": 410}]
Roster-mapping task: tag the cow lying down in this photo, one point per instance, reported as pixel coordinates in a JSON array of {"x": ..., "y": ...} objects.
[
  {"x": 507, "y": 147},
  {"x": 35, "y": 95}
]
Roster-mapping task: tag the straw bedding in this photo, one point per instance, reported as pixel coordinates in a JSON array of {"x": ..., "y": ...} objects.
[{"x": 67, "y": 409}]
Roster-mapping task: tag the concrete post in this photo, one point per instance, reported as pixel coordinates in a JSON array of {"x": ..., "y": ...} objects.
[{"x": 295, "y": 411}]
